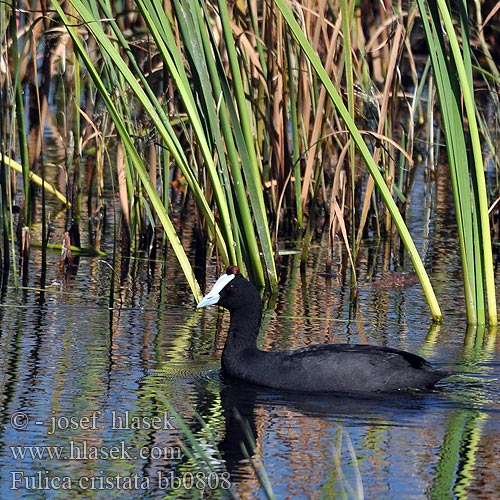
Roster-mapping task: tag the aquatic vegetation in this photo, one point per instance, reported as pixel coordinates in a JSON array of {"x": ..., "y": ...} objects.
[
  {"x": 464, "y": 156},
  {"x": 257, "y": 122}
]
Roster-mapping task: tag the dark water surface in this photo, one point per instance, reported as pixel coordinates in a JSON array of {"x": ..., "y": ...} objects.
[{"x": 89, "y": 394}]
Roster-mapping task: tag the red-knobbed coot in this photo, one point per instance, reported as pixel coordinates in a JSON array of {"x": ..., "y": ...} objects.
[{"x": 326, "y": 367}]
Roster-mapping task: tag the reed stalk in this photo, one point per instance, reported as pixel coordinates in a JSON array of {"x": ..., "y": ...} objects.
[
  {"x": 244, "y": 215},
  {"x": 315, "y": 61},
  {"x": 20, "y": 120},
  {"x": 347, "y": 9},
  {"x": 469, "y": 187},
  {"x": 251, "y": 165},
  {"x": 36, "y": 179},
  {"x": 133, "y": 155}
]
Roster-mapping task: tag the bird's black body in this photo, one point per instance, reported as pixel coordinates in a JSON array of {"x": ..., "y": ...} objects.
[{"x": 319, "y": 368}]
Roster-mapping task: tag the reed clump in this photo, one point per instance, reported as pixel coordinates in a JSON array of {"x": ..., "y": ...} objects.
[{"x": 257, "y": 122}]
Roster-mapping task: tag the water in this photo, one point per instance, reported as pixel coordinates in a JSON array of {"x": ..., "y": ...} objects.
[
  {"x": 127, "y": 402},
  {"x": 93, "y": 398}
]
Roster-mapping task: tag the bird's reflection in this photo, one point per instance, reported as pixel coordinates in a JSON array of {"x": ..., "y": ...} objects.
[{"x": 241, "y": 400}]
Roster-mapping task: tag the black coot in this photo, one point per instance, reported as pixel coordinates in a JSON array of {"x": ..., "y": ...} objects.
[{"x": 326, "y": 367}]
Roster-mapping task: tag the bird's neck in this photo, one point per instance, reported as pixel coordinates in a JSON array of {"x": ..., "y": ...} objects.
[
  {"x": 241, "y": 342},
  {"x": 244, "y": 327}
]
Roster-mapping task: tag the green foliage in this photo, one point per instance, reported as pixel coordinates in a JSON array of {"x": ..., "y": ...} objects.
[
  {"x": 463, "y": 149},
  {"x": 214, "y": 96},
  {"x": 265, "y": 123},
  {"x": 216, "y": 124},
  {"x": 367, "y": 157}
]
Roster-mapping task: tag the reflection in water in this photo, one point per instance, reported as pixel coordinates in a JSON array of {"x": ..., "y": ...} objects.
[
  {"x": 71, "y": 358},
  {"x": 320, "y": 420}
]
